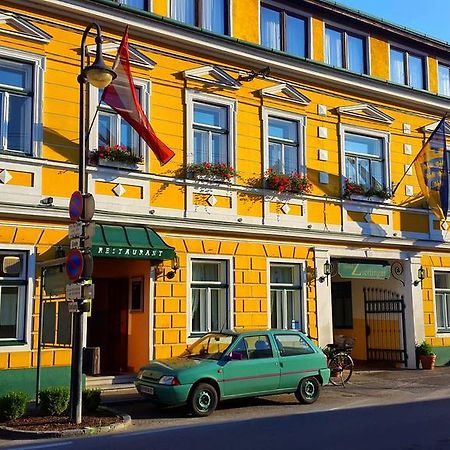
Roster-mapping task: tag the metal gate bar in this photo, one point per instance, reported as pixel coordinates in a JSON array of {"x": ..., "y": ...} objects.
[{"x": 385, "y": 325}]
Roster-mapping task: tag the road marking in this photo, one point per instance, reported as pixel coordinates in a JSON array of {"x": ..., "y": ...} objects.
[{"x": 59, "y": 444}]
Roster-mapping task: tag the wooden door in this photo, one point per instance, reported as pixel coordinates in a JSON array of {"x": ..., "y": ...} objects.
[{"x": 108, "y": 324}]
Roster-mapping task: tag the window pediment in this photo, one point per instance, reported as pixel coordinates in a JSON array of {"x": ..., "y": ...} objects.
[
  {"x": 365, "y": 111},
  {"x": 212, "y": 75},
  {"x": 16, "y": 26},
  {"x": 285, "y": 92},
  {"x": 432, "y": 126},
  {"x": 110, "y": 52}
]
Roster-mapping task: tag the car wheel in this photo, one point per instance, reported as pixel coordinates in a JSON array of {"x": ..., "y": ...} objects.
[
  {"x": 203, "y": 400},
  {"x": 308, "y": 390}
]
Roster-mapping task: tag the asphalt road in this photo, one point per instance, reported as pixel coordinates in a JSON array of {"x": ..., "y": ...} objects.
[{"x": 389, "y": 410}]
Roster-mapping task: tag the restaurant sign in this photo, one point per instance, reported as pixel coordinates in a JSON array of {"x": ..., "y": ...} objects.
[
  {"x": 127, "y": 252},
  {"x": 364, "y": 271}
]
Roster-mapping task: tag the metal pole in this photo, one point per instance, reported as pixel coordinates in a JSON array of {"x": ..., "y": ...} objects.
[
  {"x": 39, "y": 342},
  {"x": 76, "y": 376}
]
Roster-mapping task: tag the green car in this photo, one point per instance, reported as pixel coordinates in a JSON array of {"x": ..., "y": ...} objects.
[{"x": 227, "y": 365}]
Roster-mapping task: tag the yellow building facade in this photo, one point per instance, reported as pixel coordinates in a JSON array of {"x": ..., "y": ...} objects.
[{"x": 266, "y": 88}]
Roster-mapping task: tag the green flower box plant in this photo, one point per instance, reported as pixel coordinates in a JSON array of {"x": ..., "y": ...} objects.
[
  {"x": 211, "y": 171},
  {"x": 115, "y": 154}
]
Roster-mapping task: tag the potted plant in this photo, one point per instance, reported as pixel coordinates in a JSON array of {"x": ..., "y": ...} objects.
[
  {"x": 211, "y": 171},
  {"x": 352, "y": 188},
  {"x": 115, "y": 156},
  {"x": 294, "y": 182},
  {"x": 426, "y": 355}
]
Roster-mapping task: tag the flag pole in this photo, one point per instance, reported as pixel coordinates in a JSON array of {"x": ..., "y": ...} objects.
[{"x": 419, "y": 152}]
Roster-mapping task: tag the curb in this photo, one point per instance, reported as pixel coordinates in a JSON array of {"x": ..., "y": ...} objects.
[{"x": 14, "y": 433}]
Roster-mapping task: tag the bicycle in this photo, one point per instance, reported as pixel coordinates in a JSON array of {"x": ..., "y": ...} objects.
[{"x": 339, "y": 361}]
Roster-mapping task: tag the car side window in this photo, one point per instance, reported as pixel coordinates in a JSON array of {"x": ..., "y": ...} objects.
[
  {"x": 292, "y": 345},
  {"x": 259, "y": 347},
  {"x": 241, "y": 348}
]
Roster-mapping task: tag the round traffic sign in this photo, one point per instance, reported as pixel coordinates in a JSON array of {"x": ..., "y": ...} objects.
[
  {"x": 76, "y": 206},
  {"x": 74, "y": 264}
]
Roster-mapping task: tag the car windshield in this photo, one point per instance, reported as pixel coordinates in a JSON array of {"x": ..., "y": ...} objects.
[{"x": 210, "y": 346}]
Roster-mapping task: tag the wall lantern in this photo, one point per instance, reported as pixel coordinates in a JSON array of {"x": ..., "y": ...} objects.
[
  {"x": 326, "y": 272},
  {"x": 421, "y": 276},
  {"x": 175, "y": 267}
]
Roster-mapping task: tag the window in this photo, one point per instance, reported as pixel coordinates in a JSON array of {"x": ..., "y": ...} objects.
[
  {"x": 13, "y": 287},
  {"x": 444, "y": 80},
  {"x": 341, "y": 300},
  {"x": 283, "y": 145},
  {"x": 16, "y": 106},
  {"x": 346, "y": 50},
  {"x": 113, "y": 130},
  {"x": 364, "y": 160},
  {"x": 292, "y": 345},
  {"x": 138, "y": 4},
  {"x": 283, "y": 31},
  {"x": 255, "y": 347},
  {"x": 442, "y": 299},
  {"x": 137, "y": 295},
  {"x": 210, "y": 296},
  {"x": 285, "y": 296},
  {"x": 407, "y": 68},
  {"x": 211, "y": 15}
]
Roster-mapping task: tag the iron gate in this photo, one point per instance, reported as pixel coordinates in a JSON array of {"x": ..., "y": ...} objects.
[{"x": 385, "y": 325}]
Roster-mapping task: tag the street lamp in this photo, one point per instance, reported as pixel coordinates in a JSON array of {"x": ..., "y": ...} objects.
[{"x": 99, "y": 76}]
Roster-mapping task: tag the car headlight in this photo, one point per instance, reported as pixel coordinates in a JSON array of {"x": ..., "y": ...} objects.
[
  {"x": 169, "y": 380},
  {"x": 139, "y": 375}
]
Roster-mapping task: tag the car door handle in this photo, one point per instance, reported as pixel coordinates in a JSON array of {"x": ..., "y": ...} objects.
[{"x": 281, "y": 364}]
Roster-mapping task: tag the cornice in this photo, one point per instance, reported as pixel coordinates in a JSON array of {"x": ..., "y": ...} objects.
[{"x": 145, "y": 26}]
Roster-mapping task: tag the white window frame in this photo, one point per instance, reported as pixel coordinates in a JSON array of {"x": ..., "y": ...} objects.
[
  {"x": 145, "y": 89},
  {"x": 301, "y": 133},
  {"x": 149, "y": 5},
  {"x": 301, "y": 274},
  {"x": 28, "y": 298},
  {"x": 447, "y": 66},
  {"x": 345, "y": 56},
  {"x": 295, "y": 11},
  {"x": 443, "y": 270},
  {"x": 228, "y": 18},
  {"x": 38, "y": 68},
  {"x": 413, "y": 52},
  {"x": 193, "y": 335},
  {"x": 192, "y": 97},
  {"x": 386, "y": 139}
]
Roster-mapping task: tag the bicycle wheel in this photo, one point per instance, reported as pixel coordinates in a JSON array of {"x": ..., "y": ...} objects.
[{"x": 341, "y": 368}]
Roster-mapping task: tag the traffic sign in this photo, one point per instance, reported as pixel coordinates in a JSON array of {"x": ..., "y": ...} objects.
[
  {"x": 81, "y": 207},
  {"x": 78, "y": 291},
  {"x": 74, "y": 264},
  {"x": 76, "y": 206}
]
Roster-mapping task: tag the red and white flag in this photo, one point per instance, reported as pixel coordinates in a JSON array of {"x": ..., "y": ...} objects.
[{"x": 121, "y": 96}]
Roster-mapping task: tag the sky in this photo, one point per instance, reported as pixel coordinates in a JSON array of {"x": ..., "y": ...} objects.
[{"x": 431, "y": 17}]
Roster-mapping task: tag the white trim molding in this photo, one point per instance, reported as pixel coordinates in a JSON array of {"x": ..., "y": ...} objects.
[
  {"x": 364, "y": 111},
  {"x": 22, "y": 28},
  {"x": 290, "y": 94},
  {"x": 212, "y": 75}
]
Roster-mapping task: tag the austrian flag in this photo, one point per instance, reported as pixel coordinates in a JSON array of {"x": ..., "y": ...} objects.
[{"x": 121, "y": 96}]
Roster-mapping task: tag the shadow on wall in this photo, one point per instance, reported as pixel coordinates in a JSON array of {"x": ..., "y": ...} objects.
[{"x": 61, "y": 145}]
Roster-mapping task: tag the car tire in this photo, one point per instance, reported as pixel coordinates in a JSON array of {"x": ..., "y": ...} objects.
[
  {"x": 308, "y": 390},
  {"x": 203, "y": 400}
]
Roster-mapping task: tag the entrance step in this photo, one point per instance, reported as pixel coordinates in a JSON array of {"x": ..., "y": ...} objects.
[{"x": 111, "y": 382}]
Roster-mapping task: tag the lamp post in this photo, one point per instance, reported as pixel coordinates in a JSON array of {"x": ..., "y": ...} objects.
[{"x": 99, "y": 76}]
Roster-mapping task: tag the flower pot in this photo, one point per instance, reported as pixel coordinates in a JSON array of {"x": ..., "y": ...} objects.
[
  {"x": 119, "y": 164},
  {"x": 427, "y": 361}
]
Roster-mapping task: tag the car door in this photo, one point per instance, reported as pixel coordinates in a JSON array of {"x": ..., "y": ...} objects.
[
  {"x": 298, "y": 359},
  {"x": 257, "y": 373}
]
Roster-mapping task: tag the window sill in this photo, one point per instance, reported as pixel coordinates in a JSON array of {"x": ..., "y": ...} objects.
[
  {"x": 363, "y": 198},
  {"x": 210, "y": 178},
  {"x": 14, "y": 346}
]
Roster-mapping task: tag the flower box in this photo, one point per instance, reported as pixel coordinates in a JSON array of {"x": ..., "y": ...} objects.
[
  {"x": 294, "y": 183},
  {"x": 215, "y": 172},
  {"x": 120, "y": 165},
  {"x": 358, "y": 191}
]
